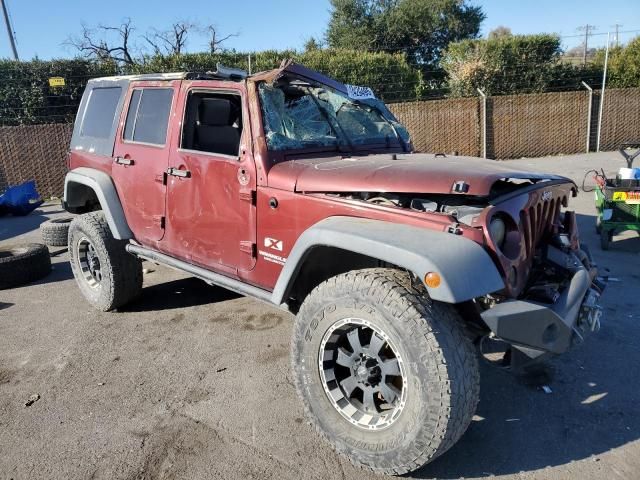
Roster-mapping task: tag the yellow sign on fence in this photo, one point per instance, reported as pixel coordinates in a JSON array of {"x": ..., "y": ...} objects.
[{"x": 56, "y": 82}]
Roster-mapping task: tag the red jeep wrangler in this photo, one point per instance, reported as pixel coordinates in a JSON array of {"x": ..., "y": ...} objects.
[{"x": 303, "y": 192}]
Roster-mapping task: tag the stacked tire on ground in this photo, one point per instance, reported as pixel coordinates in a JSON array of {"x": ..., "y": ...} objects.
[
  {"x": 55, "y": 232},
  {"x": 23, "y": 264}
]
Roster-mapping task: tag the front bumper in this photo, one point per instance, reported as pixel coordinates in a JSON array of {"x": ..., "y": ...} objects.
[{"x": 535, "y": 328}]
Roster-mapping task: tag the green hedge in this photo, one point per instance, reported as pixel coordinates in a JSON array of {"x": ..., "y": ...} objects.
[
  {"x": 390, "y": 75},
  {"x": 624, "y": 65},
  {"x": 27, "y": 98},
  {"x": 512, "y": 64}
]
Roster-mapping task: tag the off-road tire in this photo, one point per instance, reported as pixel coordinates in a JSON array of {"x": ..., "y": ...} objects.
[
  {"x": 442, "y": 368},
  {"x": 55, "y": 232},
  {"x": 121, "y": 272},
  {"x": 22, "y": 264}
]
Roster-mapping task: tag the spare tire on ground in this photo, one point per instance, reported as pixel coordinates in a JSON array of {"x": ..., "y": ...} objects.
[
  {"x": 55, "y": 232},
  {"x": 22, "y": 264}
]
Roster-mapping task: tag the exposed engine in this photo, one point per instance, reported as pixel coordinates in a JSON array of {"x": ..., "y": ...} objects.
[{"x": 462, "y": 208}]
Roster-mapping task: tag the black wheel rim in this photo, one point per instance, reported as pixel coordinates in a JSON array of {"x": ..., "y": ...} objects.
[
  {"x": 362, "y": 374},
  {"x": 89, "y": 261}
]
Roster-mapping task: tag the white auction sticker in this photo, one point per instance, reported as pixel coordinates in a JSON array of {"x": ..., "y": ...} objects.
[{"x": 359, "y": 93}]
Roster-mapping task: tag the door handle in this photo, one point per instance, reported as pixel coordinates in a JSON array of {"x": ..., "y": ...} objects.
[
  {"x": 124, "y": 161},
  {"x": 176, "y": 172}
]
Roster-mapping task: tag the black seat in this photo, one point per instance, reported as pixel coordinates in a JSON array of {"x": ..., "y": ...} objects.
[{"x": 215, "y": 130}]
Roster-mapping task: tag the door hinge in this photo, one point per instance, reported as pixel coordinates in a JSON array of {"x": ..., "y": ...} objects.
[
  {"x": 247, "y": 246},
  {"x": 248, "y": 196}
]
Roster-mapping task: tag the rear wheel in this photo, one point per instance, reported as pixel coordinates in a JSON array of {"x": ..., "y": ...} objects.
[
  {"x": 385, "y": 374},
  {"x": 108, "y": 276}
]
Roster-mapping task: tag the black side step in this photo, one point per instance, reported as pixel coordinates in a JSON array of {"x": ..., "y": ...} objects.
[{"x": 204, "y": 274}]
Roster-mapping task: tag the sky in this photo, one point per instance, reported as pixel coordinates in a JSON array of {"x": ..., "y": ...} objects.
[{"x": 42, "y": 26}]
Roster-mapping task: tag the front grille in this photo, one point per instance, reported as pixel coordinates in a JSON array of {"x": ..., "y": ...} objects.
[{"x": 538, "y": 220}]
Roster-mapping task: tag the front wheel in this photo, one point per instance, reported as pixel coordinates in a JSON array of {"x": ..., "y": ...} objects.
[
  {"x": 385, "y": 374},
  {"x": 108, "y": 276}
]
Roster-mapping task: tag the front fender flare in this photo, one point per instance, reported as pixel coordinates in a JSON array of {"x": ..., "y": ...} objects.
[
  {"x": 105, "y": 190},
  {"x": 466, "y": 269}
]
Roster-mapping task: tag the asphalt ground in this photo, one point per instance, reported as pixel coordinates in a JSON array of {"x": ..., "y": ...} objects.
[{"x": 193, "y": 381}]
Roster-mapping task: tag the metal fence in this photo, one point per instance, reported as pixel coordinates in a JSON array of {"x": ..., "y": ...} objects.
[
  {"x": 620, "y": 117},
  {"x": 442, "y": 125},
  {"x": 537, "y": 125},
  {"x": 516, "y": 126},
  {"x": 530, "y": 125},
  {"x": 36, "y": 152}
]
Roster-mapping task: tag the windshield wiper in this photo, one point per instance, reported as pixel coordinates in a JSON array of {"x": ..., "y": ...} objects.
[{"x": 366, "y": 106}]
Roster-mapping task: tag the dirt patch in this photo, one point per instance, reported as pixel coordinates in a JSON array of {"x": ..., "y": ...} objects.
[
  {"x": 274, "y": 354},
  {"x": 6, "y": 376},
  {"x": 266, "y": 321}
]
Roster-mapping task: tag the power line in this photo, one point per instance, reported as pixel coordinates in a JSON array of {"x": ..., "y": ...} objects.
[
  {"x": 617, "y": 30},
  {"x": 588, "y": 31},
  {"x": 12, "y": 40}
]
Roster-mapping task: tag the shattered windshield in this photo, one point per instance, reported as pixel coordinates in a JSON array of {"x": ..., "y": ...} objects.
[{"x": 297, "y": 114}]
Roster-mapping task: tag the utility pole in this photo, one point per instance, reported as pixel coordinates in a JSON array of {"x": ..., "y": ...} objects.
[
  {"x": 588, "y": 31},
  {"x": 617, "y": 29},
  {"x": 12, "y": 40}
]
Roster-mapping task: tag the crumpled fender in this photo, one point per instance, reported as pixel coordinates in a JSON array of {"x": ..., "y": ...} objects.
[{"x": 466, "y": 269}]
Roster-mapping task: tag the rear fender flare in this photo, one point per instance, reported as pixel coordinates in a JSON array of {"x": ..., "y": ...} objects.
[
  {"x": 102, "y": 185},
  {"x": 466, "y": 269}
]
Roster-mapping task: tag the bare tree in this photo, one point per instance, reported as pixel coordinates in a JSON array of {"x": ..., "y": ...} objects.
[
  {"x": 172, "y": 41},
  {"x": 107, "y": 43},
  {"x": 215, "y": 40},
  {"x": 94, "y": 43}
]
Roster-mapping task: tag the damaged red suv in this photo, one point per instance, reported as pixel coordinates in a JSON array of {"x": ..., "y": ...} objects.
[{"x": 306, "y": 193}]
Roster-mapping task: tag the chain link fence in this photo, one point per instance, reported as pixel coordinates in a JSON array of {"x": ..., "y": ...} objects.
[
  {"x": 35, "y": 152},
  {"x": 620, "y": 117},
  {"x": 537, "y": 125},
  {"x": 443, "y": 126}
]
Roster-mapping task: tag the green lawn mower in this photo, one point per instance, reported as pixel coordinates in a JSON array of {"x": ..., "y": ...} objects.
[{"x": 618, "y": 199}]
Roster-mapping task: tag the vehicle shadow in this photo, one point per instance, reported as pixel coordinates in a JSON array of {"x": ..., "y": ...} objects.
[
  {"x": 60, "y": 271},
  {"x": 4, "y": 305},
  {"x": 520, "y": 428},
  {"x": 622, "y": 242},
  {"x": 11, "y": 226},
  {"x": 184, "y": 292}
]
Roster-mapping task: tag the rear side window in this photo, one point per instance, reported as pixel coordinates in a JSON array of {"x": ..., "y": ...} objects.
[
  {"x": 101, "y": 108},
  {"x": 148, "y": 115}
]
